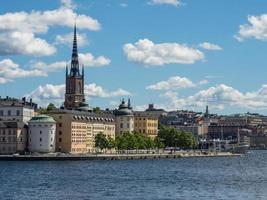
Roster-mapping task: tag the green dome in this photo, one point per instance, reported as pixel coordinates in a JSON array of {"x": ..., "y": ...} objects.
[{"x": 42, "y": 118}]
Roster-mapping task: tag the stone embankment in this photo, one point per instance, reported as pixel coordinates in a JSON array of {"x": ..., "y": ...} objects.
[{"x": 60, "y": 157}]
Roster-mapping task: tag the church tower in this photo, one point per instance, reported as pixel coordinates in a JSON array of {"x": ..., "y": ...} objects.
[{"x": 74, "y": 95}]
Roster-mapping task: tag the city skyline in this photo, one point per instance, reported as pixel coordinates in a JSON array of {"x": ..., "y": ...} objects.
[{"x": 154, "y": 51}]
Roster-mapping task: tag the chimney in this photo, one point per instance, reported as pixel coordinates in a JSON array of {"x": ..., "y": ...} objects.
[
  {"x": 24, "y": 100},
  {"x": 150, "y": 106}
]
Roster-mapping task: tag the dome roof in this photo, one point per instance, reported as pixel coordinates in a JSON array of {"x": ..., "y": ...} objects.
[
  {"x": 85, "y": 108},
  {"x": 123, "y": 111},
  {"x": 42, "y": 118}
]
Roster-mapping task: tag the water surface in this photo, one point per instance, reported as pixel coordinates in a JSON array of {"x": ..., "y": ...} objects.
[{"x": 185, "y": 178}]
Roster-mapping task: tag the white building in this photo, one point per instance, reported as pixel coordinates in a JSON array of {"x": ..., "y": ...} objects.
[
  {"x": 42, "y": 134},
  {"x": 124, "y": 118},
  {"x": 12, "y": 109}
]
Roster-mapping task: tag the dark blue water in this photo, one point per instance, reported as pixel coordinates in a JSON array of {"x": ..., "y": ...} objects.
[{"x": 188, "y": 178}]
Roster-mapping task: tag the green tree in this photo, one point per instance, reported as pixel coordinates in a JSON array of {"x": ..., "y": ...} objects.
[
  {"x": 50, "y": 107},
  {"x": 97, "y": 110},
  {"x": 111, "y": 143},
  {"x": 158, "y": 142},
  {"x": 172, "y": 137},
  {"x": 101, "y": 141}
]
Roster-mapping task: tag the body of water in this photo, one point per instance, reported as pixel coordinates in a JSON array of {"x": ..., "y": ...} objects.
[{"x": 232, "y": 178}]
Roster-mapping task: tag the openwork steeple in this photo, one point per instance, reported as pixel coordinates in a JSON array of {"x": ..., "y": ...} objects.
[{"x": 74, "y": 70}]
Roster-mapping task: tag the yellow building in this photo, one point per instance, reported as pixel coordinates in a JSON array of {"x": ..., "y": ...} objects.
[
  {"x": 76, "y": 130},
  {"x": 146, "y": 123}
]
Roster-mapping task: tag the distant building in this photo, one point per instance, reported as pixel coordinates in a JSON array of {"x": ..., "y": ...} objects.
[
  {"x": 42, "y": 134},
  {"x": 124, "y": 118},
  {"x": 76, "y": 130},
  {"x": 20, "y": 110},
  {"x": 13, "y": 137},
  {"x": 151, "y": 110}
]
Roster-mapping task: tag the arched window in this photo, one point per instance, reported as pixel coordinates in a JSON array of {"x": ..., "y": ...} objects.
[{"x": 80, "y": 87}]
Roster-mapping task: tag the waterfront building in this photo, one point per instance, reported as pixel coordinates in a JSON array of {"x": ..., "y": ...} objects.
[
  {"x": 146, "y": 123},
  {"x": 13, "y": 137},
  {"x": 42, "y": 134},
  {"x": 195, "y": 129},
  {"x": 19, "y": 110},
  {"x": 124, "y": 118},
  {"x": 74, "y": 92},
  {"x": 76, "y": 130}
]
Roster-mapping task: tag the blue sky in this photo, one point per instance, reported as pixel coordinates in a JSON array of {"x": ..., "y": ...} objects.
[{"x": 176, "y": 54}]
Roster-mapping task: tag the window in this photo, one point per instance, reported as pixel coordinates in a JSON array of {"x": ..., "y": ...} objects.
[
  {"x": 18, "y": 112},
  {"x": 40, "y": 139},
  {"x": 60, "y": 124},
  {"x": 60, "y": 132},
  {"x": 40, "y": 132},
  {"x": 1, "y": 112},
  {"x": 128, "y": 125},
  {"x": 121, "y": 125},
  {"x": 60, "y": 139},
  {"x": 9, "y": 112}
]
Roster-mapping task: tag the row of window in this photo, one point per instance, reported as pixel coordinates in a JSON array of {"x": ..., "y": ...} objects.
[
  {"x": 8, "y": 139},
  {"x": 9, "y": 113},
  {"x": 145, "y": 118},
  {"x": 41, "y": 140},
  {"x": 8, "y": 149},
  {"x": 127, "y": 126},
  {"x": 148, "y": 124},
  {"x": 40, "y": 125},
  {"x": 7, "y": 131}
]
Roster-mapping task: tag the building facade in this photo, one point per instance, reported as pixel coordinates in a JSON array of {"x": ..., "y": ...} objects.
[
  {"x": 124, "y": 118},
  {"x": 76, "y": 130},
  {"x": 42, "y": 134},
  {"x": 146, "y": 123},
  {"x": 13, "y": 137},
  {"x": 19, "y": 110}
]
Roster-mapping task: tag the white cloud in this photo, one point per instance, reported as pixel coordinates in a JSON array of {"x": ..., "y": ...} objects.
[
  {"x": 93, "y": 90},
  {"x": 89, "y": 60},
  {"x": 19, "y": 30},
  {"x": 147, "y": 53},
  {"x": 10, "y": 71},
  {"x": 203, "y": 82},
  {"x": 256, "y": 28},
  {"x": 24, "y": 43},
  {"x": 68, "y": 39},
  {"x": 85, "y": 59},
  {"x": 175, "y": 83},
  {"x": 42, "y": 66},
  {"x": 172, "y": 83},
  {"x": 219, "y": 97},
  {"x": 55, "y": 93},
  {"x": 169, "y": 2},
  {"x": 210, "y": 46}
]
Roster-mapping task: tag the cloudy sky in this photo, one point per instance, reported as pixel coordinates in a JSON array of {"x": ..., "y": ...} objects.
[{"x": 177, "y": 54}]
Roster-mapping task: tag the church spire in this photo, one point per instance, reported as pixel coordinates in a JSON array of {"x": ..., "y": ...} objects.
[{"x": 74, "y": 58}]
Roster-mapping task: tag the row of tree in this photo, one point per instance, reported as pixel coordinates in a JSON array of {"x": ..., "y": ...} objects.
[{"x": 167, "y": 137}]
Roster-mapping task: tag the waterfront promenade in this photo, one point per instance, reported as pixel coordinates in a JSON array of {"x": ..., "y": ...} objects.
[{"x": 125, "y": 156}]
